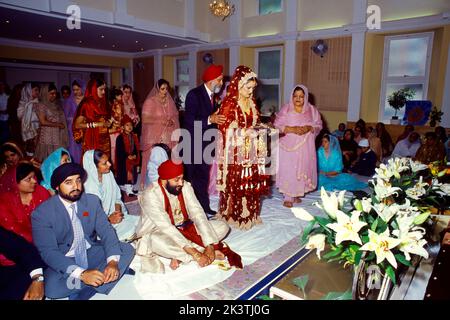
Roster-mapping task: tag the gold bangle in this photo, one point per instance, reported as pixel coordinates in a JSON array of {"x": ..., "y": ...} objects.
[{"x": 197, "y": 255}]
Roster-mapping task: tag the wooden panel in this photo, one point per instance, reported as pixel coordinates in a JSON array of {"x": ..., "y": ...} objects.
[
  {"x": 327, "y": 78},
  {"x": 221, "y": 57},
  {"x": 144, "y": 78}
]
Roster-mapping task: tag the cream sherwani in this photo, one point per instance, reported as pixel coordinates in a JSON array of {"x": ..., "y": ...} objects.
[{"x": 159, "y": 237}]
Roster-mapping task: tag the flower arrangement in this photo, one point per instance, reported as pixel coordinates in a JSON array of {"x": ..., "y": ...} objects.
[{"x": 386, "y": 228}]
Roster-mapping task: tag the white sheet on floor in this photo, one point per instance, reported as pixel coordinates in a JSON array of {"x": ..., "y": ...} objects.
[{"x": 279, "y": 227}]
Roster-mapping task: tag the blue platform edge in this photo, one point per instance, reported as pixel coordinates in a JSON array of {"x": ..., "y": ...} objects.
[{"x": 262, "y": 287}]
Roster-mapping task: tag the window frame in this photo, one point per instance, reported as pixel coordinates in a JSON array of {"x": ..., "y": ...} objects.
[
  {"x": 258, "y": 12},
  {"x": 406, "y": 80},
  {"x": 278, "y": 81}
]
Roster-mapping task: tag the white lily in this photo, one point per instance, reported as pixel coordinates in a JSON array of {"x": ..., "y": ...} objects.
[
  {"x": 417, "y": 166},
  {"x": 347, "y": 228},
  {"x": 445, "y": 188},
  {"x": 384, "y": 189},
  {"x": 382, "y": 244},
  {"x": 302, "y": 214},
  {"x": 412, "y": 242},
  {"x": 385, "y": 212},
  {"x": 397, "y": 166},
  {"x": 383, "y": 172},
  {"x": 316, "y": 241},
  {"x": 330, "y": 204},
  {"x": 418, "y": 190},
  {"x": 366, "y": 204}
]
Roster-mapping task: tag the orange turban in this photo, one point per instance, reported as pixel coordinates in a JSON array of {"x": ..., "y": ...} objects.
[
  {"x": 170, "y": 170},
  {"x": 212, "y": 72}
]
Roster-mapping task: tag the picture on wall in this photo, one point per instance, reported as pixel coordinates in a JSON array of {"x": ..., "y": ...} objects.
[{"x": 417, "y": 112}]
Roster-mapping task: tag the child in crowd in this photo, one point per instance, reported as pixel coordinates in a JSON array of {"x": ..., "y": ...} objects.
[
  {"x": 127, "y": 156},
  {"x": 339, "y": 133},
  {"x": 367, "y": 161}
]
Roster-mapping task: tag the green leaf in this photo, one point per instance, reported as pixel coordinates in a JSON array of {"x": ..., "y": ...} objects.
[
  {"x": 402, "y": 259},
  {"x": 374, "y": 225},
  {"x": 307, "y": 231},
  {"x": 323, "y": 222},
  {"x": 338, "y": 296},
  {"x": 334, "y": 253},
  {"x": 301, "y": 283},
  {"x": 421, "y": 218},
  {"x": 358, "y": 256},
  {"x": 391, "y": 274},
  {"x": 265, "y": 297}
]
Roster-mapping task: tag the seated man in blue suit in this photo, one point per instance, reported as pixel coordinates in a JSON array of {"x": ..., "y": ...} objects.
[
  {"x": 76, "y": 241},
  {"x": 24, "y": 280}
]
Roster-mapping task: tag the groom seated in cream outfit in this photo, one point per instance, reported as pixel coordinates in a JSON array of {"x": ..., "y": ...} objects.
[{"x": 173, "y": 225}]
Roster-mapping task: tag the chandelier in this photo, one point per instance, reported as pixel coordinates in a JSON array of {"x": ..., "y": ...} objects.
[{"x": 221, "y": 8}]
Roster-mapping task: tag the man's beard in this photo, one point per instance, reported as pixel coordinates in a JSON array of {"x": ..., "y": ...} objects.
[
  {"x": 73, "y": 196},
  {"x": 217, "y": 89},
  {"x": 173, "y": 190}
]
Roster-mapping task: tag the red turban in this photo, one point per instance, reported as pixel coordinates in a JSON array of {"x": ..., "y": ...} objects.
[
  {"x": 170, "y": 170},
  {"x": 125, "y": 119},
  {"x": 212, "y": 72}
]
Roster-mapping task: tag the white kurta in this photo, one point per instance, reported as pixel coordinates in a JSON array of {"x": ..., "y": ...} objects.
[{"x": 159, "y": 237}]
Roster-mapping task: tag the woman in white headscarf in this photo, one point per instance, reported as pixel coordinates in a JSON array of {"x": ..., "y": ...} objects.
[
  {"x": 26, "y": 112},
  {"x": 101, "y": 182}
]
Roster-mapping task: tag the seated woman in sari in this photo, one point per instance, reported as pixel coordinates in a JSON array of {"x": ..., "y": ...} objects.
[
  {"x": 330, "y": 168},
  {"x": 101, "y": 182},
  {"x": 20, "y": 194},
  {"x": 57, "y": 158}
]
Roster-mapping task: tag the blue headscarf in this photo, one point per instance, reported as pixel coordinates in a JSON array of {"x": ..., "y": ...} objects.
[
  {"x": 50, "y": 164},
  {"x": 334, "y": 160}
]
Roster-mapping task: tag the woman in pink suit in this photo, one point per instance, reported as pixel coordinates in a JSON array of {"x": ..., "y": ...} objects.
[{"x": 299, "y": 123}]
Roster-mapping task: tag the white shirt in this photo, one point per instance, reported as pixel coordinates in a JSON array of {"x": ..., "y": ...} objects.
[
  {"x": 406, "y": 149},
  {"x": 71, "y": 253},
  {"x": 4, "y": 106},
  {"x": 210, "y": 95}
]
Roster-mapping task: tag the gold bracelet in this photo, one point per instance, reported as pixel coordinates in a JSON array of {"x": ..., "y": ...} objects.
[{"x": 196, "y": 256}]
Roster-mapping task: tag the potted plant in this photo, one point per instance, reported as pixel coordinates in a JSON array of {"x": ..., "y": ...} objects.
[
  {"x": 397, "y": 100},
  {"x": 435, "y": 116}
]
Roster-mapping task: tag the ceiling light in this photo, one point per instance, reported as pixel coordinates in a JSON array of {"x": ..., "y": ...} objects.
[
  {"x": 59, "y": 30},
  {"x": 7, "y": 21},
  {"x": 81, "y": 41},
  {"x": 165, "y": 46},
  {"x": 142, "y": 49},
  {"x": 137, "y": 41},
  {"x": 40, "y": 36},
  {"x": 113, "y": 45},
  {"x": 221, "y": 9},
  {"x": 102, "y": 36}
]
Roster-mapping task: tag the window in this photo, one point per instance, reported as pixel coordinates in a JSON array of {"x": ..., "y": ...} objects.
[
  {"x": 181, "y": 81},
  {"x": 407, "y": 62},
  {"x": 270, "y": 6},
  {"x": 269, "y": 66}
]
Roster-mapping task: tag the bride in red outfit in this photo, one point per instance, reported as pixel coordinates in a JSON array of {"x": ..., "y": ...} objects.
[{"x": 241, "y": 177}]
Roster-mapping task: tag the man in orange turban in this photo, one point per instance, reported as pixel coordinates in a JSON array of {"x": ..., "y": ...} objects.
[
  {"x": 201, "y": 114},
  {"x": 174, "y": 225}
]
